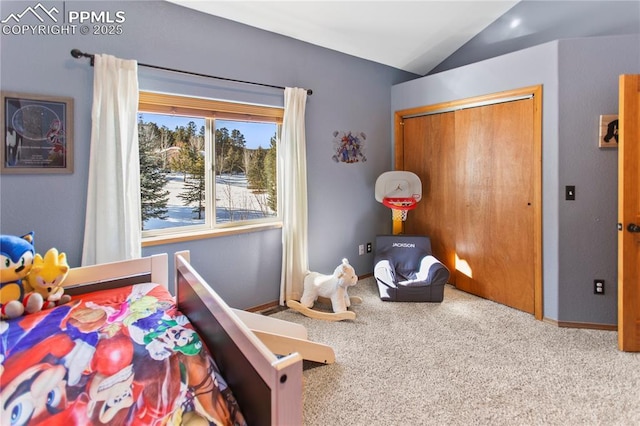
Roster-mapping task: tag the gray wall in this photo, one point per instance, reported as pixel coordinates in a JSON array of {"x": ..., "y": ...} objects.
[
  {"x": 545, "y": 21},
  {"x": 588, "y": 232},
  {"x": 579, "y": 78},
  {"x": 349, "y": 94}
]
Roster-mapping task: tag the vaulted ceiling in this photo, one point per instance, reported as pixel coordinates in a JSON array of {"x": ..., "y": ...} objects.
[{"x": 425, "y": 36}]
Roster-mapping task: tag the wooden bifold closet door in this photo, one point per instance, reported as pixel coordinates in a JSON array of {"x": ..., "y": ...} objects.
[
  {"x": 477, "y": 167},
  {"x": 434, "y": 163}
]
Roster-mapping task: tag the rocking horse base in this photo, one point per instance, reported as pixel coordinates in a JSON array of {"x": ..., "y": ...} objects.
[{"x": 327, "y": 316}]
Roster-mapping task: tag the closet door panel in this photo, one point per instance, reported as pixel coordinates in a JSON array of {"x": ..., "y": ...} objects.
[
  {"x": 431, "y": 155},
  {"x": 494, "y": 237}
]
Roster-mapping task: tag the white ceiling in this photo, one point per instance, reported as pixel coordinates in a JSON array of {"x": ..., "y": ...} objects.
[{"x": 413, "y": 35}]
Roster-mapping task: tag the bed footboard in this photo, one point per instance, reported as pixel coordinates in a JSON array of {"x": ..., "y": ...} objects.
[{"x": 268, "y": 389}]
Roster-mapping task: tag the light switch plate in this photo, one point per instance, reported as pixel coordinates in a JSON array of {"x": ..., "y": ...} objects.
[{"x": 570, "y": 192}]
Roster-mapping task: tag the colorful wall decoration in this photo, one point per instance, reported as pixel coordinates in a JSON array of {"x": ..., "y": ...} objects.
[{"x": 349, "y": 147}]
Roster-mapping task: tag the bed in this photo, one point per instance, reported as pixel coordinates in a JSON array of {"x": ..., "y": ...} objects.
[{"x": 124, "y": 312}]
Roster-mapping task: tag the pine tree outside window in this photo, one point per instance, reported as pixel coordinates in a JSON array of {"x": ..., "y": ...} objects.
[{"x": 206, "y": 165}]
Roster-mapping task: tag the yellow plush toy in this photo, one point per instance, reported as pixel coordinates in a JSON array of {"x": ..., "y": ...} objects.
[{"x": 47, "y": 275}]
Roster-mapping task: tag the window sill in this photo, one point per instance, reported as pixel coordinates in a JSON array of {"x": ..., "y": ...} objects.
[{"x": 213, "y": 233}]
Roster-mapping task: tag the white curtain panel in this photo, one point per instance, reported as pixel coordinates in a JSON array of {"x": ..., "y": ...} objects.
[
  {"x": 113, "y": 224},
  {"x": 293, "y": 157}
]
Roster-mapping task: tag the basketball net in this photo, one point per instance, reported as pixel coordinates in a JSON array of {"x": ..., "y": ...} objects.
[{"x": 399, "y": 207}]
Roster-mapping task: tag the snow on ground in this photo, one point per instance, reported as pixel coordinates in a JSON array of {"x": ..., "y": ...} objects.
[{"x": 233, "y": 202}]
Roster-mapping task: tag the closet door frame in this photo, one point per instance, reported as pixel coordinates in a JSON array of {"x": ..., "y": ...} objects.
[{"x": 532, "y": 91}]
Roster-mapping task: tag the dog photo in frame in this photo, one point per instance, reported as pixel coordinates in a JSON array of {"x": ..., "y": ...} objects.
[{"x": 608, "y": 131}]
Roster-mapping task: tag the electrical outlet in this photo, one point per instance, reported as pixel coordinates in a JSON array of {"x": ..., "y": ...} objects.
[
  {"x": 598, "y": 286},
  {"x": 368, "y": 247},
  {"x": 361, "y": 249}
]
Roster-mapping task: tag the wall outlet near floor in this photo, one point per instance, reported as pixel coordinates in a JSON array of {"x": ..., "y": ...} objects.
[
  {"x": 369, "y": 247},
  {"x": 598, "y": 286},
  {"x": 361, "y": 249}
]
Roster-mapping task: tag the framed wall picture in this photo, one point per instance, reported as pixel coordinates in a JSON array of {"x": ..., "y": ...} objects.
[
  {"x": 349, "y": 147},
  {"x": 37, "y": 134},
  {"x": 608, "y": 131}
]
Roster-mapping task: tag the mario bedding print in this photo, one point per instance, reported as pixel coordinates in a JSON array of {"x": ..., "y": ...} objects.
[{"x": 121, "y": 356}]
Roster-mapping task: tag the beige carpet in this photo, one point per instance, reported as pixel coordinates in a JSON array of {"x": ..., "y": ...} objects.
[{"x": 465, "y": 361}]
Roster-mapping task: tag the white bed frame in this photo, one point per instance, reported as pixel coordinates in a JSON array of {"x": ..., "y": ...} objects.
[{"x": 268, "y": 388}]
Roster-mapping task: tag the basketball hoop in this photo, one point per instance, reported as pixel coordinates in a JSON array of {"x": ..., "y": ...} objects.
[
  {"x": 400, "y": 206},
  {"x": 400, "y": 191}
]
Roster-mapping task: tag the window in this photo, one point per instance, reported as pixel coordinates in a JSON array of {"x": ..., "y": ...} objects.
[{"x": 206, "y": 164}]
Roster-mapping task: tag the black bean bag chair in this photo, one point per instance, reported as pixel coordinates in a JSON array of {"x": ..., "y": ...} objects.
[{"x": 406, "y": 271}]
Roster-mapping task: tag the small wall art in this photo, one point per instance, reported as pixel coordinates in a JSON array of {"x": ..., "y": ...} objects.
[
  {"x": 37, "y": 134},
  {"x": 349, "y": 147},
  {"x": 608, "y": 131}
]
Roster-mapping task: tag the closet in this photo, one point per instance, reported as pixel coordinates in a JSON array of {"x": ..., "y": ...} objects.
[{"x": 479, "y": 161}]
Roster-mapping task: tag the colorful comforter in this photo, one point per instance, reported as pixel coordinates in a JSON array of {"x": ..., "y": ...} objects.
[{"x": 122, "y": 356}]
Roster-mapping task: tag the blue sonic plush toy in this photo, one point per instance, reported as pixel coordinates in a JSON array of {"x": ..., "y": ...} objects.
[{"x": 16, "y": 255}]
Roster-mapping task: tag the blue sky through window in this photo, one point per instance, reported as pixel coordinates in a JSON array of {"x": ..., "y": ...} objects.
[{"x": 255, "y": 134}]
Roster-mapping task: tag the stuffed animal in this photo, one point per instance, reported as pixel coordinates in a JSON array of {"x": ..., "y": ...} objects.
[
  {"x": 47, "y": 275},
  {"x": 16, "y": 254},
  {"x": 333, "y": 287}
]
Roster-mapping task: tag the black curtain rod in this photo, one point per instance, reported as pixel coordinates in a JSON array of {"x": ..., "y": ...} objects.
[{"x": 76, "y": 53}]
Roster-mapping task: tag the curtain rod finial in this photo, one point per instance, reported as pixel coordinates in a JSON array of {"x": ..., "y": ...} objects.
[
  {"x": 309, "y": 92},
  {"x": 77, "y": 53}
]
